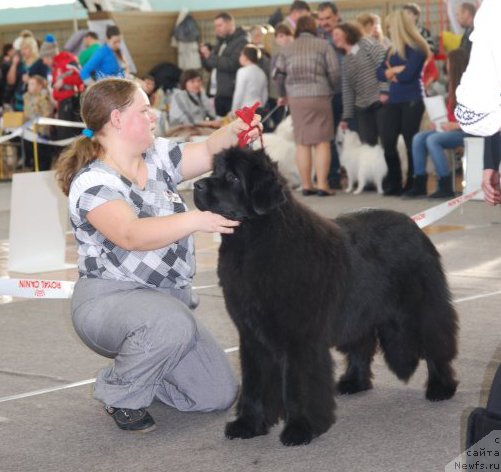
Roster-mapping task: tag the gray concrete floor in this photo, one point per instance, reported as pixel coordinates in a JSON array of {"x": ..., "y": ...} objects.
[{"x": 391, "y": 428}]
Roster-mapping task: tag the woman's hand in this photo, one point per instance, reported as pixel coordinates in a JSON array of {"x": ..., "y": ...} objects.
[
  {"x": 391, "y": 72},
  {"x": 344, "y": 125},
  {"x": 282, "y": 101},
  {"x": 449, "y": 126},
  {"x": 209, "y": 222},
  {"x": 383, "y": 98},
  {"x": 491, "y": 186},
  {"x": 256, "y": 128}
]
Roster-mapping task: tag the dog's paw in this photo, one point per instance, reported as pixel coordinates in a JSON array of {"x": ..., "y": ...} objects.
[
  {"x": 349, "y": 385},
  {"x": 438, "y": 391},
  {"x": 244, "y": 429},
  {"x": 297, "y": 432}
]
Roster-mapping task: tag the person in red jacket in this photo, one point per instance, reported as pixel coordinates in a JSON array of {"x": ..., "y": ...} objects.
[{"x": 66, "y": 84}]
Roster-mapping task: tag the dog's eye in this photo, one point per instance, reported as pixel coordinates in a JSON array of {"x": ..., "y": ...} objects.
[{"x": 232, "y": 178}]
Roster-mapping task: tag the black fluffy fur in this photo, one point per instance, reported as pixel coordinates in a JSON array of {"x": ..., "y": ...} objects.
[{"x": 296, "y": 284}]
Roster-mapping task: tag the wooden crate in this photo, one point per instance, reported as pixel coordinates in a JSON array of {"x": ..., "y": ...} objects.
[{"x": 13, "y": 119}]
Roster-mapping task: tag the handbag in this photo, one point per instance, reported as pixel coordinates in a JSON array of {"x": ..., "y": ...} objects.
[{"x": 482, "y": 421}]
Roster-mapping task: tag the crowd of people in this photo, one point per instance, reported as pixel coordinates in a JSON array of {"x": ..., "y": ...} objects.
[{"x": 367, "y": 75}]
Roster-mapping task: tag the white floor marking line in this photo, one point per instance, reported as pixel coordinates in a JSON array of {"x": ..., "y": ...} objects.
[
  {"x": 476, "y": 297},
  {"x": 227, "y": 351},
  {"x": 46, "y": 390},
  {"x": 71, "y": 385},
  {"x": 231, "y": 349}
]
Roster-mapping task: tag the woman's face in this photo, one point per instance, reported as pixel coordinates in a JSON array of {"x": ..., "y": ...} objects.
[
  {"x": 137, "y": 122},
  {"x": 377, "y": 31},
  {"x": 282, "y": 39},
  {"x": 241, "y": 60},
  {"x": 26, "y": 52},
  {"x": 339, "y": 38},
  {"x": 114, "y": 42},
  {"x": 194, "y": 85}
]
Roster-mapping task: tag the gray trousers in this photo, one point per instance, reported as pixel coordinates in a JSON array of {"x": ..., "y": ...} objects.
[{"x": 160, "y": 350}]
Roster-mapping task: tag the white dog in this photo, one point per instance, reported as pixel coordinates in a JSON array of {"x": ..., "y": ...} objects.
[
  {"x": 281, "y": 148},
  {"x": 364, "y": 164}
]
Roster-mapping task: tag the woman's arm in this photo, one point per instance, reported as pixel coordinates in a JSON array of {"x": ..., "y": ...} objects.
[
  {"x": 413, "y": 67},
  {"x": 91, "y": 65},
  {"x": 381, "y": 70},
  {"x": 197, "y": 157},
  {"x": 333, "y": 71},
  {"x": 119, "y": 224},
  {"x": 11, "y": 75}
]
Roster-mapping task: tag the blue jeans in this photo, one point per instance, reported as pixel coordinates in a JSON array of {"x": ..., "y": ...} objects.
[{"x": 434, "y": 143}]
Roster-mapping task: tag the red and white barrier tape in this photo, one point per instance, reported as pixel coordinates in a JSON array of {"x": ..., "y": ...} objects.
[
  {"x": 38, "y": 288},
  {"x": 437, "y": 212},
  {"x": 29, "y": 135}
]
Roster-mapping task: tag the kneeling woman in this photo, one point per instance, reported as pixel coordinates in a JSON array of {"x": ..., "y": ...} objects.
[
  {"x": 136, "y": 258},
  {"x": 433, "y": 142}
]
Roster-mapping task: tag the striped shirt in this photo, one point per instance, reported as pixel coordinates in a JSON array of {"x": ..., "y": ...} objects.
[
  {"x": 308, "y": 67},
  {"x": 361, "y": 86}
]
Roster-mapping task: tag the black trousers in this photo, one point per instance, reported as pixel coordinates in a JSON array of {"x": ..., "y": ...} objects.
[
  {"x": 222, "y": 105},
  {"x": 369, "y": 123},
  {"x": 69, "y": 110},
  {"x": 399, "y": 118},
  {"x": 335, "y": 166},
  {"x": 492, "y": 151}
]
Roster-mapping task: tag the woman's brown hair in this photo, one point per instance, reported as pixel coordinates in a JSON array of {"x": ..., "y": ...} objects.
[
  {"x": 187, "y": 75},
  {"x": 98, "y": 101},
  {"x": 305, "y": 24},
  {"x": 352, "y": 32},
  {"x": 284, "y": 29}
]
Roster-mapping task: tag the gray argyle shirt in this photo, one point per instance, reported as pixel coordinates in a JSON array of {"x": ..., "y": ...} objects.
[{"x": 95, "y": 184}]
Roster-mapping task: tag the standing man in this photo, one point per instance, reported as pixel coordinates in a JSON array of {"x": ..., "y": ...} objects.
[
  {"x": 223, "y": 61},
  {"x": 328, "y": 18},
  {"x": 296, "y": 11},
  {"x": 465, "y": 16}
]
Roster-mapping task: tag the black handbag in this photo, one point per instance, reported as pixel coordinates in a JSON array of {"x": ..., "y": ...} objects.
[{"x": 482, "y": 421}]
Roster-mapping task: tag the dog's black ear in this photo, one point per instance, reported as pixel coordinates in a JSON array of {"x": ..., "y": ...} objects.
[{"x": 267, "y": 191}]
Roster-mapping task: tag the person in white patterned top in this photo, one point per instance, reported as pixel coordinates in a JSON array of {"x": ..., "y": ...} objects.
[{"x": 136, "y": 257}]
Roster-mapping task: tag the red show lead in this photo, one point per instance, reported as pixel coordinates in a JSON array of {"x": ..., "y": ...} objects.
[{"x": 246, "y": 114}]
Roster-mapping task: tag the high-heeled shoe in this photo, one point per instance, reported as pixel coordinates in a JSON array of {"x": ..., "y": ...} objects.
[{"x": 325, "y": 193}]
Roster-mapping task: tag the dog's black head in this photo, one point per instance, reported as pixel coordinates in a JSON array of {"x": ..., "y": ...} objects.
[{"x": 244, "y": 184}]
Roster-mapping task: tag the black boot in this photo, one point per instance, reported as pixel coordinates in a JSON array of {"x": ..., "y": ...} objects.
[
  {"x": 444, "y": 188},
  {"x": 419, "y": 187},
  {"x": 409, "y": 184}
]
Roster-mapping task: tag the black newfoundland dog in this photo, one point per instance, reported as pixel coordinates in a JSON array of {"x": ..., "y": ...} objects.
[{"x": 296, "y": 284}]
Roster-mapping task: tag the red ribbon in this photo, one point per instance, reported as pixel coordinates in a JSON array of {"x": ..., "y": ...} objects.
[{"x": 246, "y": 114}]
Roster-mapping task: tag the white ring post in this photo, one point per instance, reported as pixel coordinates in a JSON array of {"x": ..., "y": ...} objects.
[
  {"x": 38, "y": 223},
  {"x": 473, "y": 165}
]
